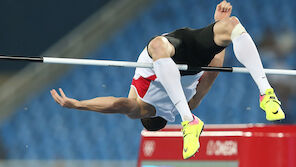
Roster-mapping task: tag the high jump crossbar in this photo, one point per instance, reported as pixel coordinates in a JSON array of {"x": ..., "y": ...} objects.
[{"x": 92, "y": 62}]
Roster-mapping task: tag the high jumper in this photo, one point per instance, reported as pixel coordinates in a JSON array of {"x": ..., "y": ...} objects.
[{"x": 158, "y": 94}]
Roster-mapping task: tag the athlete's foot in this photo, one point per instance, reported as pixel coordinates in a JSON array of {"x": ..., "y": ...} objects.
[
  {"x": 191, "y": 132},
  {"x": 271, "y": 105}
]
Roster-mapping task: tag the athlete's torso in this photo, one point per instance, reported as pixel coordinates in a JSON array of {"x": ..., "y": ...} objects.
[
  {"x": 195, "y": 47},
  {"x": 150, "y": 90}
]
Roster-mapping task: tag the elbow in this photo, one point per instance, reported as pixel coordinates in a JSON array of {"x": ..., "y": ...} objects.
[
  {"x": 120, "y": 106},
  {"x": 119, "y": 103}
]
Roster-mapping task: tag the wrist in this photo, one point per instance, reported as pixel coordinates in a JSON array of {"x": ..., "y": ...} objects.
[{"x": 78, "y": 105}]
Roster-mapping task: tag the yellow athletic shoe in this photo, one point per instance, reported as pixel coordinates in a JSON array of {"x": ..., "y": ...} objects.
[
  {"x": 191, "y": 132},
  {"x": 271, "y": 105}
]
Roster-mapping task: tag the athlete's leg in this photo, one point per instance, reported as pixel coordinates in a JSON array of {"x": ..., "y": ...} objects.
[
  {"x": 169, "y": 76},
  {"x": 230, "y": 29},
  {"x": 161, "y": 51}
]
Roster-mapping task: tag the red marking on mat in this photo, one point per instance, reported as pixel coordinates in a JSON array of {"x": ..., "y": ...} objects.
[{"x": 142, "y": 84}]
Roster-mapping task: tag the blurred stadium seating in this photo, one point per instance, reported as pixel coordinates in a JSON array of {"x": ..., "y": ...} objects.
[{"x": 41, "y": 129}]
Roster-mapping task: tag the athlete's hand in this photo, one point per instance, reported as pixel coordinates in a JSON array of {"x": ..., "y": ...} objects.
[
  {"x": 223, "y": 10},
  {"x": 63, "y": 100}
]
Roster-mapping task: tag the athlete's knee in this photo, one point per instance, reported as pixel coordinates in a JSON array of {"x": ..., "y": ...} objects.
[
  {"x": 226, "y": 29},
  {"x": 226, "y": 25},
  {"x": 160, "y": 47},
  {"x": 237, "y": 28},
  {"x": 158, "y": 44},
  {"x": 234, "y": 21}
]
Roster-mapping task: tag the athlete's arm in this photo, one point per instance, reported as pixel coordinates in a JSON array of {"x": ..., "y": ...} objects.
[
  {"x": 106, "y": 105},
  {"x": 207, "y": 81}
]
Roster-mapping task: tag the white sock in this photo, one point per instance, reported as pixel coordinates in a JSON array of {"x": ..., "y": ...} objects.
[
  {"x": 169, "y": 76},
  {"x": 246, "y": 53}
]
